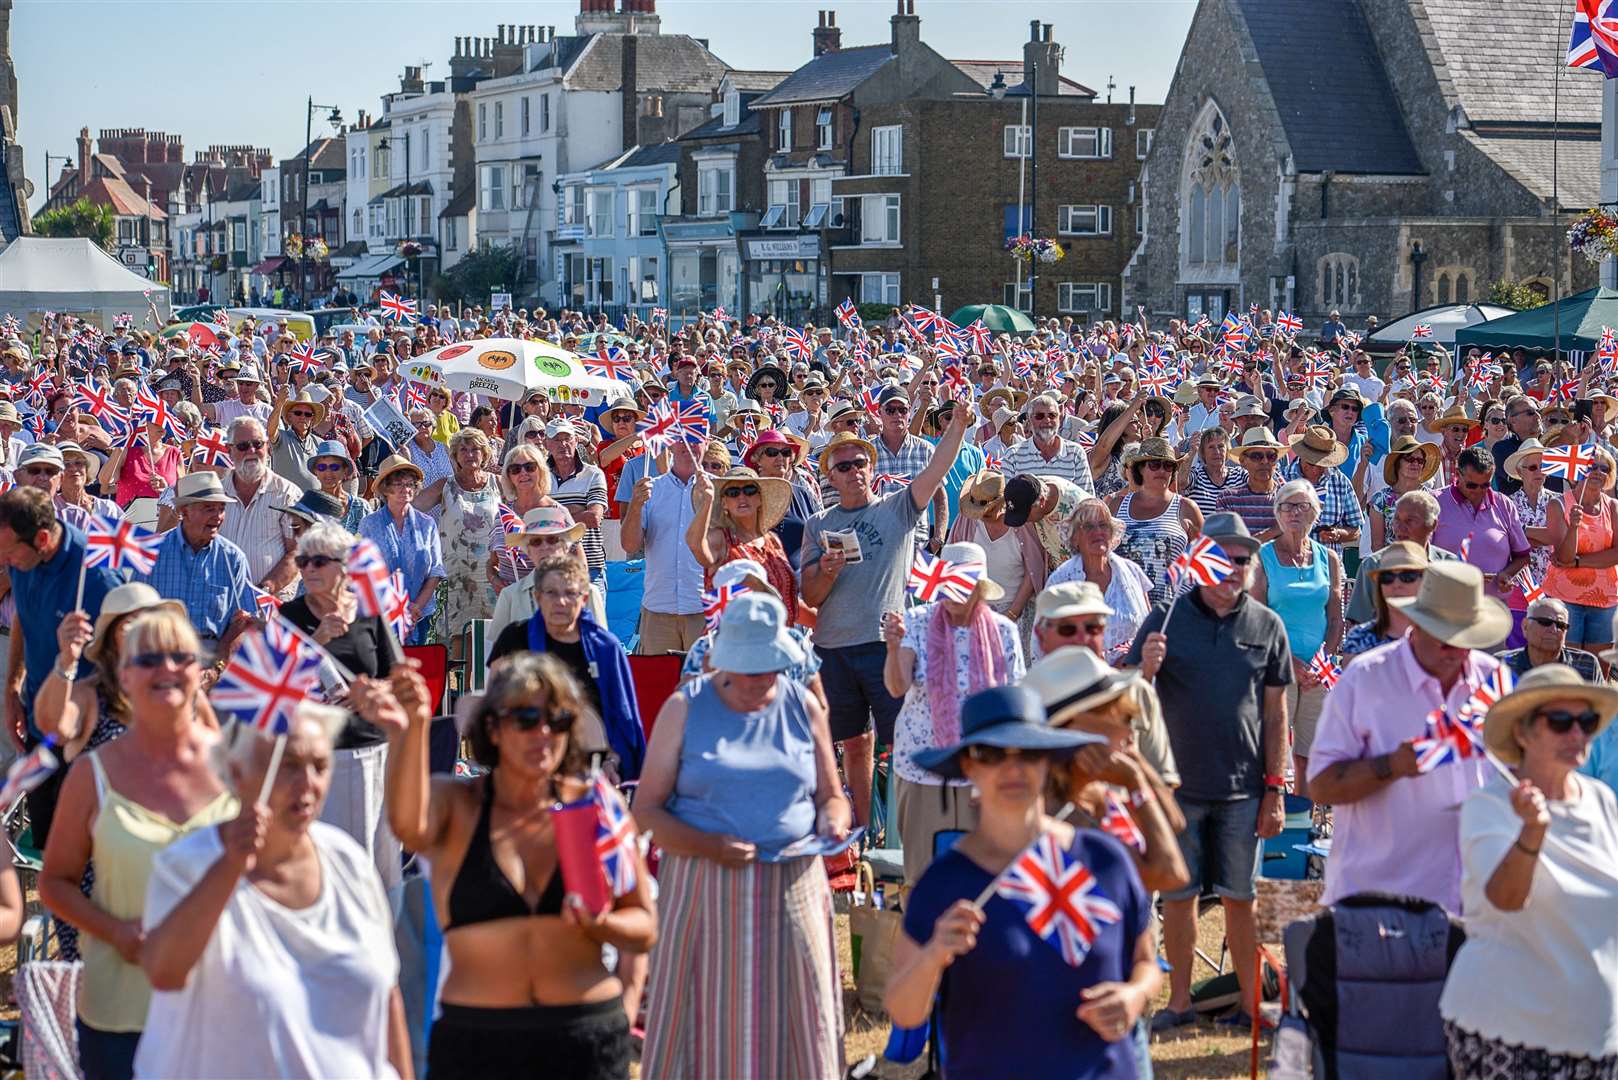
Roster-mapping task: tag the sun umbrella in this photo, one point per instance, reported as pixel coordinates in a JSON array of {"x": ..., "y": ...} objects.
[
  {"x": 997, "y": 317},
  {"x": 508, "y": 368}
]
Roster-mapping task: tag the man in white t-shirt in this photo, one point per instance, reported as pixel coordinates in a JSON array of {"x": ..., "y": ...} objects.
[{"x": 1364, "y": 378}]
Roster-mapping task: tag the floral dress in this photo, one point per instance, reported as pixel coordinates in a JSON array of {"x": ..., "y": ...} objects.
[
  {"x": 1531, "y": 512},
  {"x": 465, "y": 519}
]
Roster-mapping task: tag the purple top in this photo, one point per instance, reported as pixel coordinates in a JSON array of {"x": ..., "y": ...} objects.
[{"x": 1496, "y": 530}]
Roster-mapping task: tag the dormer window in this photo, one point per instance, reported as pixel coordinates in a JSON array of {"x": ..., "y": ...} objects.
[{"x": 733, "y": 108}]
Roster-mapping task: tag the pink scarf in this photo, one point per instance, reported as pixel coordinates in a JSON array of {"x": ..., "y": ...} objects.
[{"x": 988, "y": 668}]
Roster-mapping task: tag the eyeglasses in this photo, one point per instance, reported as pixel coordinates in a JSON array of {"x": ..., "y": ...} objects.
[
  {"x": 1472, "y": 485},
  {"x": 423, "y": 423},
  {"x": 1560, "y": 721},
  {"x": 994, "y": 755},
  {"x": 1403, "y": 577},
  {"x": 301, "y": 414},
  {"x": 149, "y": 660},
  {"x": 249, "y": 444},
  {"x": 895, "y": 409},
  {"x": 1294, "y": 507},
  {"x": 328, "y": 466},
  {"x": 523, "y": 466},
  {"x": 317, "y": 562},
  {"x": 565, "y": 596},
  {"x": 40, "y": 470},
  {"x": 849, "y": 466},
  {"x": 748, "y": 490},
  {"x": 1548, "y": 623},
  {"x": 1158, "y": 466},
  {"x": 528, "y": 718},
  {"x": 1074, "y": 629},
  {"x": 775, "y": 452},
  {"x": 1260, "y": 455}
]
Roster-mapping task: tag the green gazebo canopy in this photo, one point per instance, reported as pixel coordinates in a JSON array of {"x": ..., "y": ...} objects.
[{"x": 1579, "y": 318}]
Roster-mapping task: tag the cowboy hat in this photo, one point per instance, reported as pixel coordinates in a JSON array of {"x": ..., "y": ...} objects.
[
  {"x": 304, "y": 398},
  {"x": 1073, "y": 681},
  {"x": 839, "y": 441},
  {"x": 396, "y": 463},
  {"x": 546, "y": 521},
  {"x": 774, "y": 437},
  {"x": 1318, "y": 445},
  {"x": 1454, "y": 415},
  {"x": 1514, "y": 460},
  {"x": 1452, "y": 608},
  {"x": 967, "y": 552},
  {"x": 776, "y": 493},
  {"x": 1010, "y": 717},
  {"x": 983, "y": 494},
  {"x": 1540, "y": 686},
  {"x": 1403, "y": 446},
  {"x": 1258, "y": 438}
]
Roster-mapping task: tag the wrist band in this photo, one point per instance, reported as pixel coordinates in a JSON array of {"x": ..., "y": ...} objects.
[
  {"x": 1532, "y": 853},
  {"x": 1275, "y": 781}
]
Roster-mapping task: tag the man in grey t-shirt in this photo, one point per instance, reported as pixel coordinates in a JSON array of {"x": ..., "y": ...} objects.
[
  {"x": 852, "y": 595},
  {"x": 292, "y": 437}
]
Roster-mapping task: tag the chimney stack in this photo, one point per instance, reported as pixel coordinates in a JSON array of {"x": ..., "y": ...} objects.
[
  {"x": 1042, "y": 60},
  {"x": 827, "y": 38},
  {"x": 629, "y": 92},
  {"x": 84, "y": 157},
  {"x": 906, "y": 28}
]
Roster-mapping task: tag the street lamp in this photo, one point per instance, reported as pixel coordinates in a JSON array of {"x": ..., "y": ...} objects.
[
  {"x": 1028, "y": 165},
  {"x": 64, "y": 159},
  {"x": 409, "y": 216},
  {"x": 336, "y": 121},
  {"x": 1417, "y": 257}
]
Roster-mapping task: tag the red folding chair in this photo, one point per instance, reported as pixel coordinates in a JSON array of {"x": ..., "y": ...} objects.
[
  {"x": 656, "y": 679},
  {"x": 434, "y": 661}
]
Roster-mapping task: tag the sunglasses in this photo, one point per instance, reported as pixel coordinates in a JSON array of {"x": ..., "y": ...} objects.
[
  {"x": 301, "y": 414},
  {"x": 1403, "y": 577},
  {"x": 895, "y": 409},
  {"x": 849, "y": 466},
  {"x": 328, "y": 466},
  {"x": 1074, "y": 629},
  {"x": 748, "y": 490},
  {"x": 1261, "y": 455},
  {"x": 528, "y": 718},
  {"x": 1473, "y": 485},
  {"x": 1557, "y": 623},
  {"x": 40, "y": 470},
  {"x": 775, "y": 452},
  {"x": 1560, "y": 721},
  {"x": 994, "y": 755},
  {"x": 318, "y": 562},
  {"x": 1159, "y": 466},
  {"x": 150, "y": 660},
  {"x": 423, "y": 423},
  {"x": 250, "y": 444},
  {"x": 523, "y": 466},
  {"x": 1240, "y": 560}
]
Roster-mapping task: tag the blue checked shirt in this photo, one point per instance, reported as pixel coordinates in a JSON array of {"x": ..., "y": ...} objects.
[
  {"x": 213, "y": 584},
  {"x": 415, "y": 549}
]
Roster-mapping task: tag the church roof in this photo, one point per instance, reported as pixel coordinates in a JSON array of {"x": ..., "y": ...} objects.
[
  {"x": 1502, "y": 58},
  {"x": 1340, "y": 114}
]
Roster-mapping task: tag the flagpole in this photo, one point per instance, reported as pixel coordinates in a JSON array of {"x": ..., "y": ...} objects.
[
  {"x": 269, "y": 776},
  {"x": 84, "y": 568},
  {"x": 988, "y": 890}
]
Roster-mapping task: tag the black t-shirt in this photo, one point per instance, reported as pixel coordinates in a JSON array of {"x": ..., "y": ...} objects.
[
  {"x": 362, "y": 650},
  {"x": 514, "y": 639}
]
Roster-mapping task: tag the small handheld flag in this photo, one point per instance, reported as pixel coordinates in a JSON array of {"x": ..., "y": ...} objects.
[
  {"x": 1325, "y": 669},
  {"x": 615, "y": 837},
  {"x": 1447, "y": 740},
  {"x": 120, "y": 545},
  {"x": 262, "y": 684},
  {"x": 1059, "y": 898},
  {"x": 28, "y": 772},
  {"x": 932, "y": 579},
  {"x": 1205, "y": 561},
  {"x": 1569, "y": 462},
  {"x": 1119, "y": 823},
  {"x": 715, "y": 602}
]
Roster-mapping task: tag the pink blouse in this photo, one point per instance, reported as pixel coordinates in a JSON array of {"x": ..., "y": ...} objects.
[{"x": 135, "y": 478}]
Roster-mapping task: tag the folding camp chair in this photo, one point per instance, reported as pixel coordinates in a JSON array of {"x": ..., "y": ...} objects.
[
  {"x": 434, "y": 661},
  {"x": 47, "y": 1000}
]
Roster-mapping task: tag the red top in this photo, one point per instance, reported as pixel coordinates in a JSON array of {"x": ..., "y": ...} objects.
[{"x": 768, "y": 553}]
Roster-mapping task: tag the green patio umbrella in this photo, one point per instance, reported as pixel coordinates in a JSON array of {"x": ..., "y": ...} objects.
[{"x": 997, "y": 317}]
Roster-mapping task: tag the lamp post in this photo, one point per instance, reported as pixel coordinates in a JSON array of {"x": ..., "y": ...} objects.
[
  {"x": 409, "y": 219},
  {"x": 50, "y": 157},
  {"x": 336, "y": 120},
  {"x": 1029, "y": 162},
  {"x": 1417, "y": 257}
]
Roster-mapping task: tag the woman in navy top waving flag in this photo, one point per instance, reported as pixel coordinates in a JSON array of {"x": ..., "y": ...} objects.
[{"x": 1033, "y": 935}]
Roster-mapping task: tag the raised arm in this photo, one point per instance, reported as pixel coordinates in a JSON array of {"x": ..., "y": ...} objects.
[{"x": 938, "y": 466}]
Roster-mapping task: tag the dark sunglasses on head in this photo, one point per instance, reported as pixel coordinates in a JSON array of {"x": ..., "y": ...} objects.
[
  {"x": 849, "y": 466},
  {"x": 149, "y": 660},
  {"x": 994, "y": 755},
  {"x": 522, "y": 466},
  {"x": 527, "y": 718},
  {"x": 249, "y": 444},
  {"x": 1560, "y": 721},
  {"x": 1543, "y": 621},
  {"x": 748, "y": 490},
  {"x": 1074, "y": 629},
  {"x": 319, "y": 562},
  {"x": 1403, "y": 577}
]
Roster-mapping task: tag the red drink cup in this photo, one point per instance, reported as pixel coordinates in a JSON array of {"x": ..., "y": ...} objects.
[{"x": 582, "y": 873}]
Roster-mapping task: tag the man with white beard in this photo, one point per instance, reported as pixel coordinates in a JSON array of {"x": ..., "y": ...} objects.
[{"x": 255, "y": 522}]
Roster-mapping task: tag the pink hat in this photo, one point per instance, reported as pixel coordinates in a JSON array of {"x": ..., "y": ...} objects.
[{"x": 772, "y": 437}]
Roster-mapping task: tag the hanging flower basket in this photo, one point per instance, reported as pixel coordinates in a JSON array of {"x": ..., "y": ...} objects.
[
  {"x": 409, "y": 249},
  {"x": 1594, "y": 235},
  {"x": 1027, "y": 248}
]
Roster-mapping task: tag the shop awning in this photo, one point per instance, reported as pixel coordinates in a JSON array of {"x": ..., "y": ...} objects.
[
  {"x": 269, "y": 266},
  {"x": 373, "y": 267}
]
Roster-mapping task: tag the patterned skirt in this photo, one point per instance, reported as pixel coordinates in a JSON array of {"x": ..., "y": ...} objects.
[
  {"x": 1477, "y": 1057},
  {"x": 744, "y": 981}
]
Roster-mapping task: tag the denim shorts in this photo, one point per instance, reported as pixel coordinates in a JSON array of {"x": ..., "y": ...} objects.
[
  {"x": 1221, "y": 848},
  {"x": 1587, "y": 624},
  {"x": 855, "y": 692}
]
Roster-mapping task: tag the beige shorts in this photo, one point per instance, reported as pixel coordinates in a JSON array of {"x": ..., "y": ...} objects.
[
  {"x": 1303, "y": 712},
  {"x": 660, "y": 633},
  {"x": 925, "y": 810}
]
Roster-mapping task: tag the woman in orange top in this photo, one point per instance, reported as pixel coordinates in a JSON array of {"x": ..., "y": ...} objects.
[
  {"x": 1584, "y": 559},
  {"x": 734, "y": 515}
]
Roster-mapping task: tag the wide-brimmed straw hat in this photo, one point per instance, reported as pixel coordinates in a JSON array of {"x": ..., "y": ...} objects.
[
  {"x": 1001, "y": 397},
  {"x": 1076, "y": 680},
  {"x": 1153, "y": 449},
  {"x": 1451, "y": 607},
  {"x": 1455, "y": 414},
  {"x": 1403, "y": 446},
  {"x": 126, "y": 600},
  {"x": 1010, "y": 717},
  {"x": 304, "y": 398},
  {"x": 395, "y": 463},
  {"x": 753, "y": 638},
  {"x": 1514, "y": 460},
  {"x": 839, "y": 441},
  {"x": 1259, "y": 438},
  {"x": 775, "y": 492},
  {"x": 1318, "y": 445},
  {"x": 1541, "y": 685},
  {"x": 983, "y": 494}
]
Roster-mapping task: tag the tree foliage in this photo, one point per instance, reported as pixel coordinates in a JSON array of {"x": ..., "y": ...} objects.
[
  {"x": 80, "y": 218},
  {"x": 478, "y": 274},
  {"x": 1514, "y": 295}
]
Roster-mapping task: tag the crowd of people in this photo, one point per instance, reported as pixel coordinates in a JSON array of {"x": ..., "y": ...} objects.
[{"x": 976, "y": 560}]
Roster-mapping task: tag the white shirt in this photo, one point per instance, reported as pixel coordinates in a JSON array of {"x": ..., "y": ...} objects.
[
  {"x": 1002, "y": 562},
  {"x": 1369, "y": 386},
  {"x": 228, "y": 412},
  {"x": 258, "y": 528},
  {"x": 276, "y": 992}
]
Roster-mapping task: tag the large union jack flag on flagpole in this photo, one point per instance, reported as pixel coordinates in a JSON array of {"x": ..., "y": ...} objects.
[
  {"x": 1059, "y": 898},
  {"x": 120, "y": 545},
  {"x": 1594, "y": 40},
  {"x": 261, "y": 685}
]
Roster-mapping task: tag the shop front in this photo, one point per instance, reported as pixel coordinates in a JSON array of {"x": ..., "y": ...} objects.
[{"x": 784, "y": 276}]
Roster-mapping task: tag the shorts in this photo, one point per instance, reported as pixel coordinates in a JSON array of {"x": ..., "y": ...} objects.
[
  {"x": 580, "y": 1042},
  {"x": 925, "y": 810},
  {"x": 1221, "y": 848},
  {"x": 106, "y": 1055},
  {"x": 662, "y": 633},
  {"x": 1586, "y": 624},
  {"x": 855, "y": 693},
  {"x": 1303, "y": 711}
]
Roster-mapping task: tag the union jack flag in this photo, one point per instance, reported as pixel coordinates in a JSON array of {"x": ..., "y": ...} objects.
[
  {"x": 1159, "y": 383},
  {"x": 612, "y": 362},
  {"x": 1569, "y": 462},
  {"x": 120, "y": 544},
  {"x": 691, "y": 422},
  {"x": 925, "y": 319},
  {"x": 1205, "y": 561},
  {"x": 370, "y": 576},
  {"x": 201, "y": 334},
  {"x": 796, "y": 343},
  {"x": 1446, "y": 740},
  {"x": 931, "y": 578},
  {"x": 1568, "y": 391},
  {"x": 509, "y": 521},
  {"x": 398, "y": 610},
  {"x": 1500, "y": 682},
  {"x": 96, "y": 400},
  {"x": 956, "y": 380},
  {"x": 1288, "y": 322},
  {"x": 665, "y": 424},
  {"x": 868, "y": 401},
  {"x": 660, "y": 315},
  {"x": 981, "y": 337},
  {"x": 615, "y": 838},
  {"x": 1421, "y": 330},
  {"x": 212, "y": 447},
  {"x": 397, "y": 307},
  {"x": 1059, "y": 898},
  {"x": 1594, "y": 40},
  {"x": 264, "y": 604},
  {"x": 264, "y": 681},
  {"x": 1466, "y": 547},
  {"x": 1324, "y": 668},
  {"x": 1120, "y": 823},
  {"x": 714, "y": 603},
  {"x": 1234, "y": 331},
  {"x": 151, "y": 409},
  {"x": 1531, "y": 590},
  {"x": 28, "y": 772},
  {"x": 883, "y": 483},
  {"x": 849, "y": 316},
  {"x": 302, "y": 357},
  {"x": 221, "y": 318}
]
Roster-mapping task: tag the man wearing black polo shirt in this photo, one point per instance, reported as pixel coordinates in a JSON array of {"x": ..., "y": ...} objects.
[{"x": 1221, "y": 673}]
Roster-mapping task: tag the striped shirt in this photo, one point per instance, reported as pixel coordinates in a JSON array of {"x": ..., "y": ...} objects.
[
  {"x": 587, "y": 487},
  {"x": 1256, "y": 508},
  {"x": 912, "y": 456},
  {"x": 1205, "y": 493},
  {"x": 1069, "y": 463},
  {"x": 259, "y": 528}
]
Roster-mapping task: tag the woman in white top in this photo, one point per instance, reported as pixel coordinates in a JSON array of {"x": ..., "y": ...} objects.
[
  {"x": 269, "y": 940},
  {"x": 1123, "y": 583},
  {"x": 1534, "y": 991}
]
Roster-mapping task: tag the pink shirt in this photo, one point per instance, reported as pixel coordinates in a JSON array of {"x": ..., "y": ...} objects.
[
  {"x": 135, "y": 478},
  {"x": 1406, "y": 838},
  {"x": 1496, "y": 531}
]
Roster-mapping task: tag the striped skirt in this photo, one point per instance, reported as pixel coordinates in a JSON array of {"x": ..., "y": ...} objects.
[{"x": 744, "y": 981}]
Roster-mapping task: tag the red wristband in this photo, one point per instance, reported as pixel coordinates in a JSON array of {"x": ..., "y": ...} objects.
[{"x": 1275, "y": 781}]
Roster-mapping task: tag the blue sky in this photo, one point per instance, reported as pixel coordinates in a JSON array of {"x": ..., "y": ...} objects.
[{"x": 234, "y": 71}]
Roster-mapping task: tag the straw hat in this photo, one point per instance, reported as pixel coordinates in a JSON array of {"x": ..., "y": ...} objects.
[
  {"x": 1513, "y": 462},
  {"x": 1401, "y": 555},
  {"x": 1151, "y": 450},
  {"x": 1002, "y": 417},
  {"x": 776, "y": 493},
  {"x": 1454, "y": 415},
  {"x": 1543, "y": 684},
  {"x": 545, "y": 521},
  {"x": 395, "y": 463},
  {"x": 1451, "y": 607},
  {"x": 304, "y": 398},
  {"x": 1318, "y": 445},
  {"x": 983, "y": 494},
  {"x": 1259, "y": 438},
  {"x": 998, "y": 398},
  {"x": 1409, "y": 444},
  {"x": 744, "y": 407},
  {"x": 839, "y": 441},
  {"x": 1074, "y": 681},
  {"x": 125, "y": 600}
]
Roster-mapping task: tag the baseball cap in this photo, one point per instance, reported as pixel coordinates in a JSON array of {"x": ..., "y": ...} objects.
[{"x": 1022, "y": 492}]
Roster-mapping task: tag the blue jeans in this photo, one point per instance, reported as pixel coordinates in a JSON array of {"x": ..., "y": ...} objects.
[
  {"x": 106, "y": 1055},
  {"x": 1586, "y": 624},
  {"x": 855, "y": 693},
  {"x": 1221, "y": 848}
]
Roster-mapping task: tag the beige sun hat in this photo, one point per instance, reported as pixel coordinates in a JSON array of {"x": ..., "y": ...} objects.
[
  {"x": 1454, "y": 415},
  {"x": 304, "y": 398},
  {"x": 1451, "y": 607},
  {"x": 1259, "y": 438},
  {"x": 776, "y": 493},
  {"x": 125, "y": 600},
  {"x": 395, "y": 463},
  {"x": 1543, "y": 684},
  {"x": 1071, "y": 598},
  {"x": 1318, "y": 445},
  {"x": 1513, "y": 462},
  {"x": 983, "y": 494},
  {"x": 1074, "y": 681},
  {"x": 1409, "y": 444},
  {"x": 839, "y": 441}
]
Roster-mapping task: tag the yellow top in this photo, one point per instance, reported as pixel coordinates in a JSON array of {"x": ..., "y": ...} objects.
[{"x": 125, "y": 837}]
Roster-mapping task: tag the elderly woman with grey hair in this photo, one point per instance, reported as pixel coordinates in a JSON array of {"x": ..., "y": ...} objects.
[
  {"x": 1127, "y": 589},
  {"x": 1301, "y": 580},
  {"x": 268, "y": 938},
  {"x": 328, "y": 612},
  {"x": 427, "y": 453}
]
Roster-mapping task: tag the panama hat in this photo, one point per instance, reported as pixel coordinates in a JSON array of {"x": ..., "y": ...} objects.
[
  {"x": 304, "y": 398},
  {"x": 126, "y": 600},
  {"x": 396, "y": 463},
  {"x": 546, "y": 521},
  {"x": 1454, "y": 415},
  {"x": 1071, "y": 598},
  {"x": 1513, "y": 462},
  {"x": 1010, "y": 717},
  {"x": 1451, "y": 607},
  {"x": 201, "y": 487},
  {"x": 1543, "y": 684},
  {"x": 752, "y": 638},
  {"x": 840, "y": 441},
  {"x": 1318, "y": 445},
  {"x": 1076, "y": 680},
  {"x": 1259, "y": 438},
  {"x": 1403, "y": 446},
  {"x": 776, "y": 493},
  {"x": 1000, "y": 397},
  {"x": 983, "y": 494}
]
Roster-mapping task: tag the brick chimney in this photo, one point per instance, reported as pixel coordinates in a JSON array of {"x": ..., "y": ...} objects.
[
  {"x": 641, "y": 17},
  {"x": 629, "y": 91},
  {"x": 598, "y": 17},
  {"x": 84, "y": 157},
  {"x": 906, "y": 28},
  {"x": 508, "y": 52},
  {"x": 410, "y": 82},
  {"x": 827, "y": 37},
  {"x": 1044, "y": 57}
]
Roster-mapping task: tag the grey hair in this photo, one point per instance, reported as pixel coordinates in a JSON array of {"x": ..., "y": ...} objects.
[
  {"x": 420, "y": 413},
  {"x": 1299, "y": 486},
  {"x": 242, "y": 423},
  {"x": 237, "y": 744},
  {"x": 1423, "y": 499},
  {"x": 1550, "y": 603},
  {"x": 1401, "y": 405},
  {"x": 326, "y": 538},
  {"x": 1096, "y": 509}
]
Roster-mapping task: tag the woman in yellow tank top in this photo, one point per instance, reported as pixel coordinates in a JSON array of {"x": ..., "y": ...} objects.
[{"x": 121, "y": 804}]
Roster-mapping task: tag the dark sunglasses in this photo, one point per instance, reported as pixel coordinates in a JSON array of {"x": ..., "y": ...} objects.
[
  {"x": 776, "y": 451},
  {"x": 319, "y": 562},
  {"x": 1560, "y": 721},
  {"x": 40, "y": 470},
  {"x": 1159, "y": 466},
  {"x": 896, "y": 409},
  {"x": 523, "y": 466},
  {"x": 1543, "y": 621},
  {"x": 994, "y": 755},
  {"x": 250, "y": 444},
  {"x": 328, "y": 466},
  {"x": 745, "y": 489},
  {"x": 1260, "y": 455},
  {"x": 1074, "y": 629},
  {"x": 1473, "y": 485},
  {"x": 301, "y": 414},
  {"x": 1240, "y": 560},
  {"x": 1403, "y": 577},
  {"x": 150, "y": 660},
  {"x": 528, "y": 718},
  {"x": 849, "y": 466}
]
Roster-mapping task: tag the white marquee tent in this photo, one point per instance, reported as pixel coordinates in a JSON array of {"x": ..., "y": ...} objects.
[{"x": 73, "y": 277}]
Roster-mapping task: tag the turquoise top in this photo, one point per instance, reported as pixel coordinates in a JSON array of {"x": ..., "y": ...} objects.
[{"x": 1298, "y": 595}]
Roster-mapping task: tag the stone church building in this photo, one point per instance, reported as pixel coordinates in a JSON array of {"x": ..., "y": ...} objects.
[{"x": 1369, "y": 156}]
